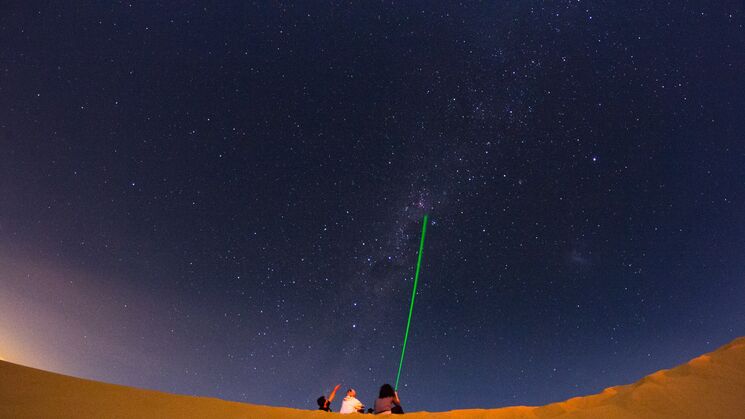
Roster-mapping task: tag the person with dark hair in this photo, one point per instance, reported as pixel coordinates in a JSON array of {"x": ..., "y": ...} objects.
[
  {"x": 388, "y": 402},
  {"x": 324, "y": 403}
]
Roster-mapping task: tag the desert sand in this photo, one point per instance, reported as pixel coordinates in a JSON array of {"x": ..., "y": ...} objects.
[{"x": 710, "y": 386}]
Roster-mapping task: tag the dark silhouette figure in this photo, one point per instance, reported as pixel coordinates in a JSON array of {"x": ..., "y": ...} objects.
[{"x": 324, "y": 403}]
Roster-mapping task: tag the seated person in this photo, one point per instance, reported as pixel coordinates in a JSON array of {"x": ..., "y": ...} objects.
[
  {"x": 350, "y": 404},
  {"x": 324, "y": 403},
  {"x": 388, "y": 402}
]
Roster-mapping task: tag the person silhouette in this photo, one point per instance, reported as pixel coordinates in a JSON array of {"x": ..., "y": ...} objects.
[{"x": 324, "y": 403}]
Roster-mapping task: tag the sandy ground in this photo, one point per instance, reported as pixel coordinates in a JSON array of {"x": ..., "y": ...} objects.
[{"x": 710, "y": 386}]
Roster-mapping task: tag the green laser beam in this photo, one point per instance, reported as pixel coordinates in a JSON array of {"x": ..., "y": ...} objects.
[{"x": 413, "y": 294}]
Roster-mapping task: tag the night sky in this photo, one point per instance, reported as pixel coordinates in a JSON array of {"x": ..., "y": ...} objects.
[{"x": 225, "y": 198}]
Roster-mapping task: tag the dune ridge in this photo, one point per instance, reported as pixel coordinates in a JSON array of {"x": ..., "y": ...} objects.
[{"x": 709, "y": 386}]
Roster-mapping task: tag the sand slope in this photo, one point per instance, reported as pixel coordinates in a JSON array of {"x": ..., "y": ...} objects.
[{"x": 710, "y": 386}]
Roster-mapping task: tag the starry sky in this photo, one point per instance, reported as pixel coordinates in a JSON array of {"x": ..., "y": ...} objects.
[{"x": 225, "y": 198}]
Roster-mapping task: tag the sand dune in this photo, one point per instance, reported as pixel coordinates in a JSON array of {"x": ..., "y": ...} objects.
[{"x": 710, "y": 386}]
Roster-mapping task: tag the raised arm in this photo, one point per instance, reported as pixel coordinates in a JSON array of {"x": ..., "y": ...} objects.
[{"x": 333, "y": 393}]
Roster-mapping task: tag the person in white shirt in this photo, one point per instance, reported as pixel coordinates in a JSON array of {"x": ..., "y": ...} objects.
[{"x": 350, "y": 404}]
